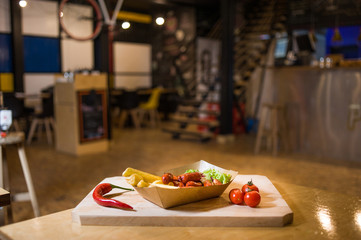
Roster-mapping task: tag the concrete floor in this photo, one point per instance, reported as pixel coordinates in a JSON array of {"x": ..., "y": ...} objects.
[{"x": 62, "y": 181}]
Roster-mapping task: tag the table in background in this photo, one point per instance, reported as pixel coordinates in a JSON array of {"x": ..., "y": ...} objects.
[
  {"x": 4, "y": 201},
  {"x": 4, "y": 197},
  {"x": 318, "y": 214},
  {"x": 33, "y": 100}
]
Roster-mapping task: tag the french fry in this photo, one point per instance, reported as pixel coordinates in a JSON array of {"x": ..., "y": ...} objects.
[
  {"x": 147, "y": 177},
  {"x": 134, "y": 179},
  {"x": 142, "y": 183},
  {"x": 158, "y": 182}
]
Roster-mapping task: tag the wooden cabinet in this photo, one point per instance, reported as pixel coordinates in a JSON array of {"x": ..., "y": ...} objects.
[{"x": 81, "y": 115}]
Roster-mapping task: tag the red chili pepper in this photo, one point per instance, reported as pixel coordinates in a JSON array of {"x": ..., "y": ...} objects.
[{"x": 104, "y": 188}]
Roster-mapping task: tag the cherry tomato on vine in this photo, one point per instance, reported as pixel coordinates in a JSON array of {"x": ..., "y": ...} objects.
[
  {"x": 251, "y": 186},
  {"x": 252, "y": 198},
  {"x": 236, "y": 196}
]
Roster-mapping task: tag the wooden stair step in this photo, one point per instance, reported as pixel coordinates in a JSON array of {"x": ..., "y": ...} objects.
[
  {"x": 192, "y": 102},
  {"x": 198, "y": 111},
  {"x": 203, "y": 136},
  {"x": 208, "y": 123}
]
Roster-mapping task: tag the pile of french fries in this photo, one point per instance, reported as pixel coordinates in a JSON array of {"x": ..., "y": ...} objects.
[{"x": 138, "y": 178}]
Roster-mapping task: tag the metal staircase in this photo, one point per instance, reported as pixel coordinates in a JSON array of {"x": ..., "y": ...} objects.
[
  {"x": 193, "y": 119},
  {"x": 252, "y": 39}
]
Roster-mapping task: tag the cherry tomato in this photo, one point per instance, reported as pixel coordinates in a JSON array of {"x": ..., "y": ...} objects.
[
  {"x": 207, "y": 183},
  {"x": 216, "y": 182},
  {"x": 252, "y": 198},
  {"x": 236, "y": 196},
  {"x": 251, "y": 186}
]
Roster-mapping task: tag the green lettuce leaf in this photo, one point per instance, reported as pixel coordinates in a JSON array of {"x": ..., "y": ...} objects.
[{"x": 215, "y": 174}]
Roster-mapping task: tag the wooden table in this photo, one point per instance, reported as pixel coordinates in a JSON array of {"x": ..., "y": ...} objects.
[
  {"x": 33, "y": 100},
  {"x": 4, "y": 197},
  {"x": 17, "y": 139},
  {"x": 318, "y": 214}
]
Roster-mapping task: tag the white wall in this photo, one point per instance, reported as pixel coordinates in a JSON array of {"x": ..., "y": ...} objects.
[
  {"x": 5, "y": 25},
  {"x": 77, "y": 54},
  {"x": 71, "y": 13},
  {"x": 132, "y": 61},
  {"x": 33, "y": 83},
  {"x": 132, "y": 65},
  {"x": 40, "y": 18}
]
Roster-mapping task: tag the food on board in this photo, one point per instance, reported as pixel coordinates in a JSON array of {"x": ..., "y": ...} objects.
[
  {"x": 104, "y": 188},
  {"x": 236, "y": 196},
  {"x": 252, "y": 198},
  {"x": 249, "y": 194},
  {"x": 250, "y": 185},
  {"x": 209, "y": 177},
  {"x": 196, "y": 178}
]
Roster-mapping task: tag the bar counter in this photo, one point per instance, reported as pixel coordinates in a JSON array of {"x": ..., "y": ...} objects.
[
  {"x": 318, "y": 108},
  {"x": 318, "y": 214}
]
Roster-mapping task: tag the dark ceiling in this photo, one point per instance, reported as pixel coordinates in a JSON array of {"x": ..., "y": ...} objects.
[
  {"x": 146, "y": 5},
  {"x": 324, "y": 13},
  {"x": 302, "y": 13}
]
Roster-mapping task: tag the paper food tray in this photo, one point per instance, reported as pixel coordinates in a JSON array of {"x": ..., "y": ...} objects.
[{"x": 171, "y": 197}]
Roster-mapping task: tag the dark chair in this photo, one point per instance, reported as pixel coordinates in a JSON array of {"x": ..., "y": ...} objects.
[
  {"x": 17, "y": 108},
  {"x": 128, "y": 104},
  {"x": 46, "y": 117}
]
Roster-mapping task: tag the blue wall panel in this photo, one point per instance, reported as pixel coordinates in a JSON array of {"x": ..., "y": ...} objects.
[
  {"x": 6, "y": 60},
  {"x": 41, "y": 54},
  {"x": 349, "y": 46}
]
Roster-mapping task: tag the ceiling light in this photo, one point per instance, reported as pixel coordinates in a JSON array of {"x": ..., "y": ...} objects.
[
  {"x": 125, "y": 25},
  {"x": 159, "y": 20},
  {"x": 23, "y": 3}
]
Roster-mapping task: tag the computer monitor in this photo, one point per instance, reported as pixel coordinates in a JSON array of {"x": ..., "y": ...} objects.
[
  {"x": 281, "y": 48},
  {"x": 305, "y": 43}
]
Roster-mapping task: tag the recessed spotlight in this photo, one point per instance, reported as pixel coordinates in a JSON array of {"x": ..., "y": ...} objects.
[
  {"x": 159, "y": 21},
  {"x": 23, "y": 3},
  {"x": 125, "y": 25}
]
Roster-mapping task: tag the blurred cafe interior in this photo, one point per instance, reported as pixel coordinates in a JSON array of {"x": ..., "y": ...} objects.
[{"x": 262, "y": 87}]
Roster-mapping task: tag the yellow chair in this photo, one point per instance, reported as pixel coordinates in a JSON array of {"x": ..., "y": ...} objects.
[{"x": 150, "y": 107}]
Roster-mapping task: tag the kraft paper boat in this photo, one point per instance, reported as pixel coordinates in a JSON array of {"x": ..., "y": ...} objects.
[{"x": 167, "y": 197}]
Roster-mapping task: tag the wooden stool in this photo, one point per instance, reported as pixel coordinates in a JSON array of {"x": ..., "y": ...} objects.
[
  {"x": 134, "y": 113},
  {"x": 37, "y": 123},
  {"x": 277, "y": 128},
  {"x": 17, "y": 138}
]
